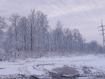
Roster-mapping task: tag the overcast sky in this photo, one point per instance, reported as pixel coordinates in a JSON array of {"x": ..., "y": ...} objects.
[{"x": 84, "y": 15}]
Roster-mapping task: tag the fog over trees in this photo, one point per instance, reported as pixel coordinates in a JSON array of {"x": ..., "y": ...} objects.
[{"x": 31, "y": 36}]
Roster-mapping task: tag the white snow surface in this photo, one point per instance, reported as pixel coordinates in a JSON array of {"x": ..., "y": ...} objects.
[{"x": 41, "y": 66}]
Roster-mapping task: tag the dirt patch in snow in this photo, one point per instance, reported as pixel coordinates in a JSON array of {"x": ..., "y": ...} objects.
[
  {"x": 86, "y": 70},
  {"x": 58, "y": 72},
  {"x": 66, "y": 70},
  {"x": 61, "y": 71}
]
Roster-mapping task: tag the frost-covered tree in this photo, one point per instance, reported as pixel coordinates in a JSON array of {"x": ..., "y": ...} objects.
[
  {"x": 3, "y": 26},
  {"x": 30, "y": 35},
  {"x": 58, "y": 36},
  {"x": 22, "y": 33},
  {"x": 14, "y": 19},
  {"x": 32, "y": 25}
]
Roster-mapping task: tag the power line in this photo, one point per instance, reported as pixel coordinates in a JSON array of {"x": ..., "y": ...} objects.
[
  {"x": 84, "y": 11},
  {"x": 66, "y": 12},
  {"x": 59, "y": 12},
  {"x": 92, "y": 10},
  {"x": 71, "y": 9},
  {"x": 97, "y": 8}
]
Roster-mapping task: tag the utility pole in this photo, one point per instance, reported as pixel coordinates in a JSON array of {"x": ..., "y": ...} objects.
[{"x": 103, "y": 34}]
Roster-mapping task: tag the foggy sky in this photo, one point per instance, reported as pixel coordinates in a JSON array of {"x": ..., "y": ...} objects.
[{"x": 74, "y": 15}]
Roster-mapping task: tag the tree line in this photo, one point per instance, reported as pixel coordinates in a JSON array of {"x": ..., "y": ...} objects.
[{"x": 31, "y": 35}]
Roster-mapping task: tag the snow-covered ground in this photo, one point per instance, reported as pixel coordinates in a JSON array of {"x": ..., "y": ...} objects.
[{"x": 42, "y": 66}]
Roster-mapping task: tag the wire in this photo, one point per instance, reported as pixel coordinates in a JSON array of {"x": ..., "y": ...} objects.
[
  {"x": 72, "y": 10},
  {"x": 64, "y": 10},
  {"x": 84, "y": 11},
  {"x": 97, "y": 8},
  {"x": 59, "y": 12},
  {"x": 67, "y": 13},
  {"x": 92, "y": 10}
]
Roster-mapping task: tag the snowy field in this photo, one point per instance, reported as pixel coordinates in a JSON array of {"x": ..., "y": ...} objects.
[{"x": 42, "y": 66}]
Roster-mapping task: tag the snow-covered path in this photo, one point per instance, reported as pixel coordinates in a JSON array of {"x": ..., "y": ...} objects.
[{"x": 42, "y": 66}]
